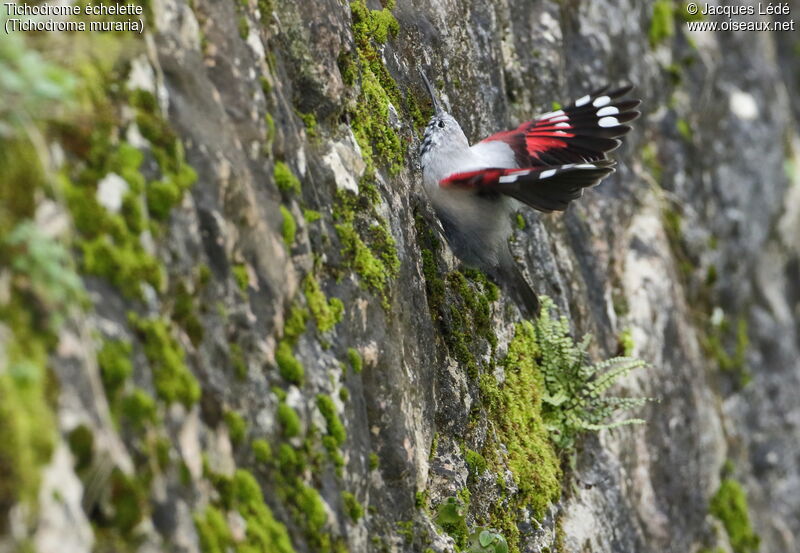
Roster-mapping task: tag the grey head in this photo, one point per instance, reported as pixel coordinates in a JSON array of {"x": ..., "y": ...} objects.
[{"x": 443, "y": 134}]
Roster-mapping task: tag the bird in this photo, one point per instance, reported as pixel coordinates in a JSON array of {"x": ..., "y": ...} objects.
[{"x": 545, "y": 163}]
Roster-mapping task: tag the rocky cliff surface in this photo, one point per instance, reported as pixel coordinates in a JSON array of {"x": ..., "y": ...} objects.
[{"x": 234, "y": 323}]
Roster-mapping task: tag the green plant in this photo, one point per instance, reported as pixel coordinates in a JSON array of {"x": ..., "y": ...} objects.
[
  {"x": 483, "y": 540},
  {"x": 575, "y": 397},
  {"x": 44, "y": 269},
  {"x": 451, "y": 517}
]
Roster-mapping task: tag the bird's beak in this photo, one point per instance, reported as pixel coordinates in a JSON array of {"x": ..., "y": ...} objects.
[{"x": 436, "y": 106}]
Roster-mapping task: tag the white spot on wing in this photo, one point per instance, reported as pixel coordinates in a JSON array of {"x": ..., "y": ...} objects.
[
  {"x": 608, "y": 122},
  {"x": 562, "y": 124},
  {"x": 552, "y": 114},
  {"x": 560, "y": 119},
  {"x": 507, "y": 178},
  {"x": 586, "y": 166},
  {"x": 600, "y": 101},
  {"x": 582, "y": 101},
  {"x": 560, "y": 133},
  {"x": 608, "y": 110},
  {"x": 547, "y": 174}
]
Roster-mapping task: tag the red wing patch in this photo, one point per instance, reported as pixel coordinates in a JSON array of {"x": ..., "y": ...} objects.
[
  {"x": 582, "y": 132},
  {"x": 549, "y": 188}
]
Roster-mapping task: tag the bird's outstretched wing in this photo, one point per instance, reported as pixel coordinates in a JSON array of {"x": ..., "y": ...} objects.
[
  {"x": 582, "y": 132},
  {"x": 544, "y": 188}
]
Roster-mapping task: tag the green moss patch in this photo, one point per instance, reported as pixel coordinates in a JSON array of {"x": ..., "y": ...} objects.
[
  {"x": 237, "y": 426},
  {"x": 241, "y": 277},
  {"x": 352, "y": 507},
  {"x": 335, "y": 428},
  {"x": 288, "y": 226},
  {"x": 368, "y": 246},
  {"x": 729, "y": 505},
  {"x": 662, "y": 23},
  {"x": 262, "y": 451},
  {"x": 327, "y": 313},
  {"x": 515, "y": 409},
  {"x": 241, "y": 493},
  {"x": 290, "y": 368},
  {"x": 355, "y": 360},
  {"x": 460, "y": 304},
  {"x": 285, "y": 179},
  {"x": 173, "y": 379},
  {"x": 289, "y": 420},
  {"x": 114, "y": 359}
]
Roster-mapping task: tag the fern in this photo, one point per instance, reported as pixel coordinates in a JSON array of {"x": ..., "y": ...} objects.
[{"x": 575, "y": 397}]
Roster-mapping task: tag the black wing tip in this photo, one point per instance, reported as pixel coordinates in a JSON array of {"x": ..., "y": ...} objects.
[{"x": 613, "y": 94}]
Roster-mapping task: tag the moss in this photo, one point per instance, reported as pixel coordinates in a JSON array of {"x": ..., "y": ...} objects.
[
  {"x": 368, "y": 246},
  {"x": 515, "y": 407},
  {"x": 126, "y": 266},
  {"x": 269, "y": 135},
  {"x": 285, "y": 179},
  {"x": 718, "y": 342},
  {"x": 110, "y": 242},
  {"x": 27, "y": 433},
  {"x": 374, "y": 273},
  {"x": 335, "y": 427},
  {"x": 264, "y": 533},
  {"x": 370, "y": 119},
  {"x": 434, "y": 446},
  {"x": 128, "y": 500},
  {"x": 262, "y": 451},
  {"x": 460, "y": 304},
  {"x": 172, "y": 378},
  {"x": 352, "y": 507},
  {"x": 355, "y": 360},
  {"x": 138, "y": 408},
  {"x": 290, "y": 368},
  {"x": 520, "y": 221},
  {"x": 289, "y": 420},
  {"x": 344, "y": 394},
  {"x": 242, "y": 277},
  {"x": 213, "y": 531},
  {"x": 184, "y": 313},
  {"x": 662, "y": 23},
  {"x": 238, "y": 361},
  {"x": 237, "y": 426},
  {"x": 310, "y": 122},
  {"x": 288, "y": 459},
  {"x": 288, "y": 226},
  {"x": 475, "y": 461},
  {"x": 81, "y": 444},
  {"x": 327, "y": 313},
  {"x": 625, "y": 341},
  {"x": 685, "y": 130},
  {"x": 729, "y": 505},
  {"x": 114, "y": 359},
  {"x": 311, "y": 216},
  {"x": 295, "y": 324},
  {"x": 374, "y": 461},
  {"x": 312, "y": 510},
  {"x": 21, "y": 175},
  {"x": 651, "y": 161}
]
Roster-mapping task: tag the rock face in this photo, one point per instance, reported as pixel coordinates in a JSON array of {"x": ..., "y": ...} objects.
[{"x": 271, "y": 347}]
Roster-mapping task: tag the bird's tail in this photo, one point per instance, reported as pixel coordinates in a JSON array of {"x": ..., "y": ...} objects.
[{"x": 510, "y": 278}]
